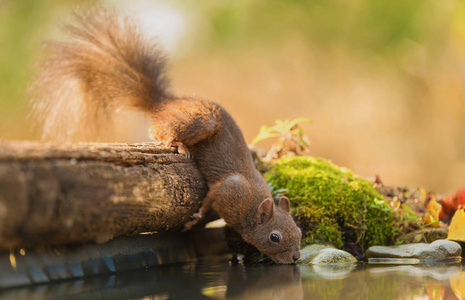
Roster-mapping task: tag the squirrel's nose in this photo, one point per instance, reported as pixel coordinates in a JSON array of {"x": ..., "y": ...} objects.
[{"x": 296, "y": 256}]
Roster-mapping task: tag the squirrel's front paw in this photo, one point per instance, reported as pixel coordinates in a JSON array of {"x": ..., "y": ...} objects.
[
  {"x": 182, "y": 149},
  {"x": 196, "y": 218}
]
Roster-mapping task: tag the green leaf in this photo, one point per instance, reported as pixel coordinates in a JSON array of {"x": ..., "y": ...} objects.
[
  {"x": 295, "y": 121},
  {"x": 263, "y": 134}
]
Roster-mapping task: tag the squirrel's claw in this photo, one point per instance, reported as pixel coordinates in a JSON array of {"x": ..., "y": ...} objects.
[
  {"x": 182, "y": 149},
  {"x": 196, "y": 218}
]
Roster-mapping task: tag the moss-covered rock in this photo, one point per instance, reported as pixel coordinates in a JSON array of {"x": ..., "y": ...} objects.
[
  {"x": 324, "y": 255},
  {"x": 332, "y": 205}
]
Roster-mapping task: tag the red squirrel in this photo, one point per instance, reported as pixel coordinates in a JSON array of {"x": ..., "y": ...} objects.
[{"x": 107, "y": 65}]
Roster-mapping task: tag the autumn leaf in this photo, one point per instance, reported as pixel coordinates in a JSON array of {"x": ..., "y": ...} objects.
[{"x": 457, "y": 226}]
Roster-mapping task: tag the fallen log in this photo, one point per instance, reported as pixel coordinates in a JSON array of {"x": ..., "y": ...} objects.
[{"x": 53, "y": 194}]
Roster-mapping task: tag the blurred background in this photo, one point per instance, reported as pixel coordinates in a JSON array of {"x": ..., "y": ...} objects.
[{"x": 383, "y": 81}]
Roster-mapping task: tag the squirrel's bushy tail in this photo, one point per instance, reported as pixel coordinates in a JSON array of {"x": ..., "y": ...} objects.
[{"x": 107, "y": 64}]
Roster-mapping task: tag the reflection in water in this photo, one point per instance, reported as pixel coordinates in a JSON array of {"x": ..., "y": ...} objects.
[
  {"x": 327, "y": 271},
  {"x": 440, "y": 272},
  {"x": 217, "y": 279},
  {"x": 457, "y": 283},
  {"x": 265, "y": 282},
  {"x": 404, "y": 282}
]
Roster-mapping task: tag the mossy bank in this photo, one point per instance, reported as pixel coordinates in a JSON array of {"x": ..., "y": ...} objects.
[{"x": 333, "y": 205}]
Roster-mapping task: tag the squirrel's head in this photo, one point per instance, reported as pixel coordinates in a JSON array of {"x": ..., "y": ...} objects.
[{"x": 276, "y": 233}]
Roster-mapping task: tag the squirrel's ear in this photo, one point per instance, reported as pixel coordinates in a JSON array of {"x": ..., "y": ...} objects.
[
  {"x": 265, "y": 210},
  {"x": 284, "y": 204}
]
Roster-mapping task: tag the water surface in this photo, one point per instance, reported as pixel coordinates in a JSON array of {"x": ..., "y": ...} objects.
[{"x": 219, "y": 279}]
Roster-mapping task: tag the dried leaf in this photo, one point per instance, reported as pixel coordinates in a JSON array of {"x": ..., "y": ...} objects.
[{"x": 457, "y": 226}]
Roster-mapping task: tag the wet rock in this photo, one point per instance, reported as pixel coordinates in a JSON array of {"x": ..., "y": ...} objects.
[
  {"x": 333, "y": 256},
  {"x": 324, "y": 255},
  {"x": 437, "y": 250},
  {"x": 308, "y": 253}
]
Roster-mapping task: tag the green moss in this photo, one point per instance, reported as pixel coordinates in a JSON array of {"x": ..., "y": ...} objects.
[{"x": 332, "y": 205}]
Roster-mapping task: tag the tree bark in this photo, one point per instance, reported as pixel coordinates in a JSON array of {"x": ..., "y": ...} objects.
[{"x": 54, "y": 194}]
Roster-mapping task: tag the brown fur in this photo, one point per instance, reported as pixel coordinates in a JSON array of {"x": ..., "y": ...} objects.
[
  {"x": 105, "y": 65},
  {"x": 114, "y": 66}
]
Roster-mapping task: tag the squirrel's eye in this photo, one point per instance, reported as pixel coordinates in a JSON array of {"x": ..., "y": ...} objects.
[{"x": 274, "y": 237}]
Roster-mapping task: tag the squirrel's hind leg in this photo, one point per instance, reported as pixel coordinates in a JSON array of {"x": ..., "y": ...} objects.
[{"x": 185, "y": 122}]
